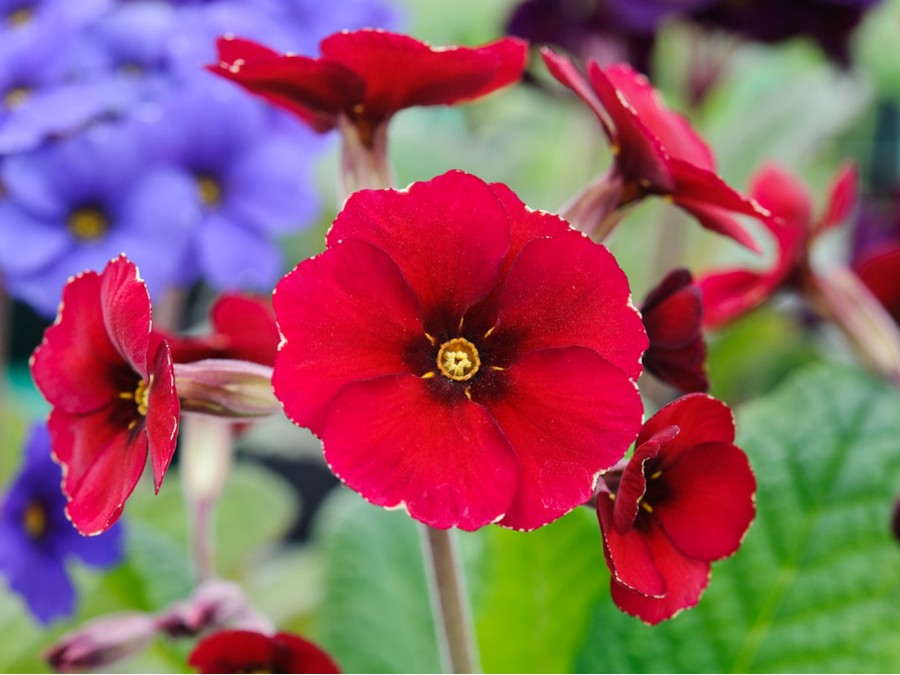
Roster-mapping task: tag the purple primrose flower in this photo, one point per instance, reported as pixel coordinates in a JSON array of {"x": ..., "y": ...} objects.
[{"x": 36, "y": 539}]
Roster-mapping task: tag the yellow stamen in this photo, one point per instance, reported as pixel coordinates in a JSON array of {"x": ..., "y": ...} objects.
[
  {"x": 142, "y": 396},
  {"x": 15, "y": 97},
  {"x": 210, "y": 190},
  {"x": 35, "y": 520},
  {"x": 87, "y": 224},
  {"x": 428, "y": 375},
  {"x": 656, "y": 475},
  {"x": 19, "y": 17},
  {"x": 458, "y": 360},
  {"x": 646, "y": 507},
  {"x": 490, "y": 330}
]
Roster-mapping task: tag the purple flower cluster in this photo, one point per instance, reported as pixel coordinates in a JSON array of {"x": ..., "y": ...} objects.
[
  {"x": 114, "y": 139},
  {"x": 36, "y": 539}
]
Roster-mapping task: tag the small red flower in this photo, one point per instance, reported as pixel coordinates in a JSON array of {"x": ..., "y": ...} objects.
[
  {"x": 685, "y": 498},
  {"x": 243, "y": 327},
  {"x": 244, "y": 651},
  {"x": 729, "y": 294},
  {"x": 656, "y": 150},
  {"x": 461, "y": 355},
  {"x": 879, "y": 270},
  {"x": 112, "y": 387},
  {"x": 673, "y": 317},
  {"x": 368, "y": 75}
]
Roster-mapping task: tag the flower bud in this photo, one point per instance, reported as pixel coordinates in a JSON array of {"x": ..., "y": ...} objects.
[
  {"x": 226, "y": 388},
  {"x": 102, "y": 642}
]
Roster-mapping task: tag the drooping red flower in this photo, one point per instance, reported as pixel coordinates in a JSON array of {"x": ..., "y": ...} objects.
[
  {"x": 112, "y": 387},
  {"x": 673, "y": 317},
  {"x": 728, "y": 294},
  {"x": 368, "y": 75},
  {"x": 879, "y": 270},
  {"x": 684, "y": 499},
  {"x": 245, "y": 651},
  {"x": 461, "y": 355},
  {"x": 243, "y": 327},
  {"x": 656, "y": 152}
]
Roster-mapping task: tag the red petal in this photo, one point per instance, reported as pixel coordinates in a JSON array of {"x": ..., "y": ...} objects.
[
  {"x": 562, "y": 68},
  {"x": 345, "y": 315},
  {"x": 448, "y": 236},
  {"x": 842, "y": 197},
  {"x": 243, "y": 651},
  {"x": 400, "y": 72},
  {"x": 709, "y": 199},
  {"x": 403, "y": 441},
  {"x": 101, "y": 465},
  {"x": 684, "y": 367},
  {"x": 783, "y": 195},
  {"x": 627, "y": 554},
  {"x": 249, "y": 326},
  {"x": 125, "y": 303},
  {"x": 640, "y": 155},
  {"x": 880, "y": 272},
  {"x": 673, "y": 311},
  {"x": 566, "y": 291},
  {"x": 674, "y": 132},
  {"x": 163, "y": 410},
  {"x": 728, "y": 295},
  {"x": 700, "y": 418},
  {"x": 709, "y": 502},
  {"x": 316, "y": 90},
  {"x": 685, "y": 580},
  {"x": 75, "y": 366},
  {"x": 632, "y": 487},
  {"x": 568, "y": 415}
]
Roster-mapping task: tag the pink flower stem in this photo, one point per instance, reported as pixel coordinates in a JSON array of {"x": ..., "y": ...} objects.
[
  {"x": 206, "y": 459},
  {"x": 595, "y": 209},
  {"x": 450, "y": 601},
  {"x": 364, "y": 158},
  {"x": 841, "y": 297}
]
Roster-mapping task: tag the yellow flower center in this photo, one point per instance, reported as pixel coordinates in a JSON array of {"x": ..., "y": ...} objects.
[
  {"x": 458, "y": 360},
  {"x": 15, "y": 97},
  {"x": 35, "y": 520},
  {"x": 210, "y": 190},
  {"x": 19, "y": 17},
  {"x": 87, "y": 224},
  {"x": 141, "y": 398}
]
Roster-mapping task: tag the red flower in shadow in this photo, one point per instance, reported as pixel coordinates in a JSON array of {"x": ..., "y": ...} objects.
[
  {"x": 244, "y": 651},
  {"x": 685, "y": 498},
  {"x": 656, "y": 152},
  {"x": 461, "y": 355},
  {"x": 112, "y": 387},
  {"x": 728, "y": 294}
]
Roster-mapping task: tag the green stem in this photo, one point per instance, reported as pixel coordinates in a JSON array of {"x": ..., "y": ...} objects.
[{"x": 450, "y": 601}]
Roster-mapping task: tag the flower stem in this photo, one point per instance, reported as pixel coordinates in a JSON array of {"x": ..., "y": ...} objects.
[
  {"x": 450, "y": 601},
  {"x": 206, "y": 459}
]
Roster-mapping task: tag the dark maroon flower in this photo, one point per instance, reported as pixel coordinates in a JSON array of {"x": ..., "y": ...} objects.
[
  {"x": 684, "y": 499},
  {"x": 673, "y": 317},
  {"x": 656, "y": 151},
  {"x": 243, "y": 327},
  {"x": 368, "y": 75},
  {"x": 879, "y": 270},
  {"x": 244, "y": 651},
  {"x": 112, "y": 387},
  {"x": 729, "y": 294},
  {"x": 461, "y": 355}
]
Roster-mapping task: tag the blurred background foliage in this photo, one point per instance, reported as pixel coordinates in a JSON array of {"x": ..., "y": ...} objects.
[{"x": 814, "y": 586}]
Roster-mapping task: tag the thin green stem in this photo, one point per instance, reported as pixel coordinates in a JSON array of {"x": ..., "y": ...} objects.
[{"x": 450, "y": 601}]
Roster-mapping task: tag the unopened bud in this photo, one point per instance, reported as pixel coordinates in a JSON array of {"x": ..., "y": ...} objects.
[
  {"x": 102, "y": 642},
  {"x": 226, "y": 388},
  {"x": 213, "y": 606}
]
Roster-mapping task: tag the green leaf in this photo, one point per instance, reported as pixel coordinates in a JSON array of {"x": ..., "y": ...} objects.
[
  {"x": 376, "y": 615},
  {"x": 814, "y": 587},
  {"x": 539, "y": 588}
]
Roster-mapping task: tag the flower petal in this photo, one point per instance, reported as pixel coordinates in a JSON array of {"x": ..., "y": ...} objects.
[
  {"x": 445, "y": 459},
  {"x": 728, "y": 295},
  {"x": 448, "y": 266},
  {"x": 685, "y": 580},
  {"x": 627, "y": 554},
  {"x": 345, "y": 315},
  {"x": 586, "y": 301},
  {"x": 710, "y": 502},
  {"x": 400, "y": 71},
  {"x": 72, "y": 365},
  {"x": 568, "y": 415},
  {"x": 842, "y": 197},
  {"x": 700, "y": 418},
  {"x": 562, "y": 68},
  {"x": 163, "y": 409},
  {"x": 102, "y": 463},
  {"x": 125, "y": 303}
]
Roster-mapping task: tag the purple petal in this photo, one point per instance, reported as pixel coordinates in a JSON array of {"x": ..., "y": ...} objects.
[{"x": 233, "y": 256}]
